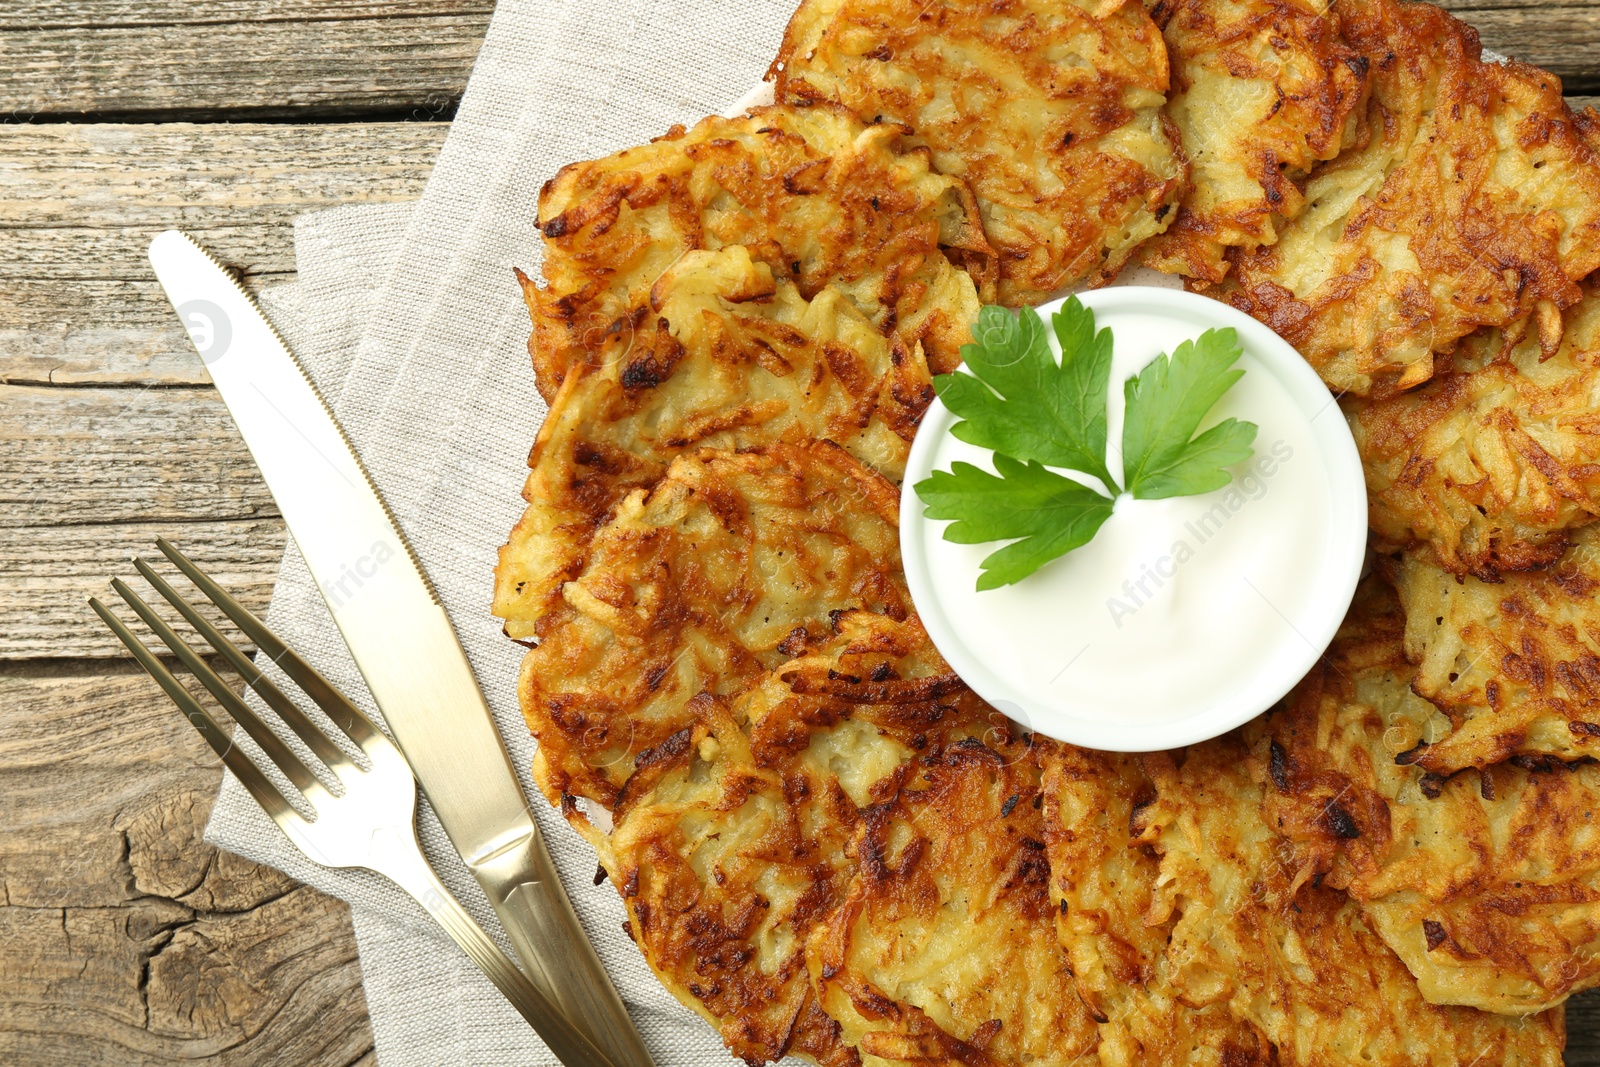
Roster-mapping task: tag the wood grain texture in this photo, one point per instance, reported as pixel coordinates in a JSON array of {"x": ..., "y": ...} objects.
[
  {"x": 264, "y": 68},
  {"x": 127, "y": 940},
  {"x": 89, "y": 477},
  {"x": 47, "y": 575},
  {"x": 1562, "y": 40},
  {"x": 106, "y": 14},
  {"x": 96, "y": 456},
  {"x": 79, "y": 204}
]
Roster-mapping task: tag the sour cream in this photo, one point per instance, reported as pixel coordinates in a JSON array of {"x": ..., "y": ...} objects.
[{"x": 1182, "y": 618}]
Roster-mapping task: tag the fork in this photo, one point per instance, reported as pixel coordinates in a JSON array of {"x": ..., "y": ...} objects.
[{"x": 371, "y": 822}]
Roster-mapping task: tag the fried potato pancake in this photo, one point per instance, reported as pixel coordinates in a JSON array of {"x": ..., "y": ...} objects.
[
  {"x": 942, "y": 951},
  {"x": 1474, "y": 202},
  {"x": 1104, "y": 884},
  {"x": 1219, "y": 926},
  {"x": 817, "y": 196},
  {"x": 732, "y": 839},
  {"x": 1262, "y": 91},
  {"x": 1493, "y": 461},
  {"x": 1515, "y": 664},
  {"x": 1486, "y": 883},
  {"x": 1049, "y": 109},
  {"x": 731, "y": 358},
  {"x": 726, "y": 569}
]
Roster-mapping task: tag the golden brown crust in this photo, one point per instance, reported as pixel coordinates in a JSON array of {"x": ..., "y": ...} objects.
[
  {"x": 819, "y": 198},
  {"x": 825, "y": 843},
  {"x": 1486, "y": 883},
  {"x": 1262, "y": 91},
  {"x": 1050, "y": 111},
  {"x": 732, "y": 564},
  {"x": 730, "y": 846},
  {"x": 1493, "y": 462},
  {"x": 1226, "y": 923},
  {"x": 1474, "y": 202},
  {"x": 1514, "y": 663},
  {"x": 942, "y": 950},
  {"x": 729, "y": 357},
  {"x": 1104, "y": 883}
]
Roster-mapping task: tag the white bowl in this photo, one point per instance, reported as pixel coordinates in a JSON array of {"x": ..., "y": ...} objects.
[{"x": 966, "y": 629}]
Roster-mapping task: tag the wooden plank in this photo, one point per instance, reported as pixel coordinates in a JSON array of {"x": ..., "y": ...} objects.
[
  {"x": 47, "y": 575},
  {"x": 79, "y": 205},
  {"x": 1583, "y": 1030},
  {"x": 127, "y": 939},
  {"x": 114, "y": 331},
  {"x": 91, "y": 476},
  {"x": 96, "y": 456},
  {"x": 104, "y": 14},
  {"x": 394, "y": 67},
  {"x": 1465, "y": 8},
  {"x": 1562, "y": 40}
]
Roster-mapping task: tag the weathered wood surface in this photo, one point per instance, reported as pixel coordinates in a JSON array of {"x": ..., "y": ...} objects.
[
  {"x": 126, "y": 939},
  {"x": 254, "y": 59},
  {"x": 90, "y": 475},
  {"x": 79, "y": 204}
]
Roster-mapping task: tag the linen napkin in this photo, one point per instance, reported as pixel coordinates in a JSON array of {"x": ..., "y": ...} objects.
[{"x": 410, "y": 322}]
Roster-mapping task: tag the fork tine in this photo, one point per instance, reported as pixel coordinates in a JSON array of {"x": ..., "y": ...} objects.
[
  {"x": 271, "y": 744},
  {"x": 325, "y": 750},
  {"x": 349, "y": 718},
  {"x": 249, "y": 775}
]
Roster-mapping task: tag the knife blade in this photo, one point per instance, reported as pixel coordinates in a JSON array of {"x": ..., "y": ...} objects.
[{"x": 398, "y": 633}]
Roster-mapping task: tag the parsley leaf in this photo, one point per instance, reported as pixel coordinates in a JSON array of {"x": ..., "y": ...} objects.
[
  {"x": 1165, "y": 403},
  {"x": 1034, "y": 413},
  {"x": 1050, "y": 513},
  {"x": 1018, "y": 401}
]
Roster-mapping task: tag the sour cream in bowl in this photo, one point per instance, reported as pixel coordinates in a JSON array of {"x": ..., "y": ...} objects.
[{"x": 1182, "y": 617}]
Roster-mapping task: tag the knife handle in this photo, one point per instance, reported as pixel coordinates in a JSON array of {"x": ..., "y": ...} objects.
[
  {"x": 527, "y": 894},
  {"x": 402, "y": 863}
]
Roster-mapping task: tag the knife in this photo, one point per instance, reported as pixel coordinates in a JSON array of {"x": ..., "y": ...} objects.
[{"x": 401, "y": 639}]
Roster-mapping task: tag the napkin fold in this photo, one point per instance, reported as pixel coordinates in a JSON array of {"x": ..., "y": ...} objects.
[{"x": 410, "y": 322}]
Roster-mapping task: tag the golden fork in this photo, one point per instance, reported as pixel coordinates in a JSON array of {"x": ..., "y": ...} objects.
[{"x": 371, "y": 822}]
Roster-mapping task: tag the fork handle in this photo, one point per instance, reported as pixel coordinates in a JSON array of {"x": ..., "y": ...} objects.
[{"x": 402, "y": 862}]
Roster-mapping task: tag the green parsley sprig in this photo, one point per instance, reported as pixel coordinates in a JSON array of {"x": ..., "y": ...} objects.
[{"x": 1034, "y": 413}]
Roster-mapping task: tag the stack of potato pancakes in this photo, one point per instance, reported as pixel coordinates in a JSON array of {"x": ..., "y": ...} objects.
[{"x": 827, "y": 845}]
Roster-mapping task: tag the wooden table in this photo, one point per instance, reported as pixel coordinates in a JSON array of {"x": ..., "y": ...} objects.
[{"x": 123, "y": 938}]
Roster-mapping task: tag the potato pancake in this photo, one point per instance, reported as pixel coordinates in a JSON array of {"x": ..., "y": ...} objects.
[
  {"x": 732, "y": 840},
  {"x": 732, "y": 358},
  {"x": 814, "y": 194},
  {"x": 1493, "y": 461},
  {"x": 1486, "y": 883},
  {"x": 1262, "y": 91},
  {"x": 1515, "y": 664},
  {"x": 943, "y": 951},
  {"x": 1049, "y": 109},
  {"x": 1474, "y": 202},
  {"x": 1104, "y": 884},
  {"x": 1226, "y": 926},
  {"x": 731, "y": 565}
]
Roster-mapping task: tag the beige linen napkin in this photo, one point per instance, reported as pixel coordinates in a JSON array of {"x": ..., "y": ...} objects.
[{"x": 410, "y": 322}]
